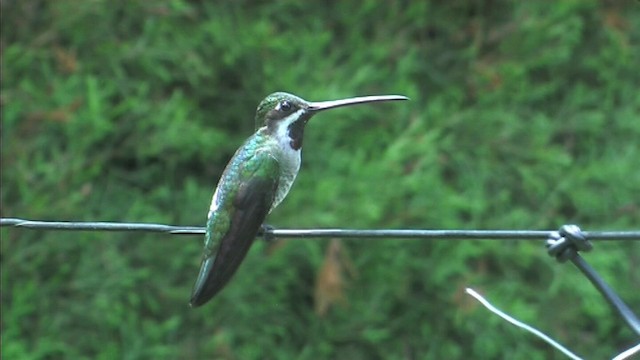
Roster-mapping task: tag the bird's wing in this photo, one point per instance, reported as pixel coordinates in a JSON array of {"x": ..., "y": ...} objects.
[{"x": 249, "y": 207}]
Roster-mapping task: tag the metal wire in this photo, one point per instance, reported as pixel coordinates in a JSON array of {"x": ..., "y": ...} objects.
[
  {"x": 318, "y": 233},
  {"x": 607, "y": 292},
  {"x": 563, "y": 244},
  {"x": 510, "y": 319}
]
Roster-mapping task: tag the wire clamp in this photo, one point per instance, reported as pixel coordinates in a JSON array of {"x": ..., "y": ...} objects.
[{"x": 565, "y": 243}]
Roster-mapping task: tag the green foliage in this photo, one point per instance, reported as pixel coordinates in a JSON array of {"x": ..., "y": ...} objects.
[{"x": 523, "y": 115}]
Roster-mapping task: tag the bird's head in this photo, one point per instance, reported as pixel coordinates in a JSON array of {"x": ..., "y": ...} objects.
[{"x": 284, "y": 114}]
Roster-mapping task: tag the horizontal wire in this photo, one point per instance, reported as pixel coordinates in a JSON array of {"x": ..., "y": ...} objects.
[
  {"x": 270, "y": 232},
  {"x": 318, "y": 233}
]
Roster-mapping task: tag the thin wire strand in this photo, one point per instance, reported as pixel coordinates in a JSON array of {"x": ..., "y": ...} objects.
[
  {"x": 627, "y": 353},
  {"x": 522, "y": 325},
  {"x": 317, "y": 233}
]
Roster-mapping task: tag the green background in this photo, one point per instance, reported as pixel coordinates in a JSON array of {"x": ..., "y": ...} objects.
[{"x": 524, "y": 115}]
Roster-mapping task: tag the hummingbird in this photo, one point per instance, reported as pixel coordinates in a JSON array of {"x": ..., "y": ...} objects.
[{"x": 254, "y": 182}]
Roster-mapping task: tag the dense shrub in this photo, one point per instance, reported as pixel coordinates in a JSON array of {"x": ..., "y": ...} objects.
[{"x": 524, "y": 115}]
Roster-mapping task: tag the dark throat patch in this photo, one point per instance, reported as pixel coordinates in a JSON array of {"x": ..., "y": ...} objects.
[{"x": 296, "y": 132}]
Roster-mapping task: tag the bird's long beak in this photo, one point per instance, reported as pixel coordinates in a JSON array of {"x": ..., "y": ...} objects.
[{"x": 325, "y": 105}]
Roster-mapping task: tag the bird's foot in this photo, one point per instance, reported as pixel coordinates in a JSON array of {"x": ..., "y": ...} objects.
[{"x": 267, "y": 233}]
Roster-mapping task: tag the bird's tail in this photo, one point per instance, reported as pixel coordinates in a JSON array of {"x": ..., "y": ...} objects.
[
  {"x": 216, "y": 271},
  {"x": 201, "y": 289}
]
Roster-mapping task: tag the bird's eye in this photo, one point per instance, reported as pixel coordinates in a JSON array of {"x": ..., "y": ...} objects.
[{"x": 285, "y": 106}]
